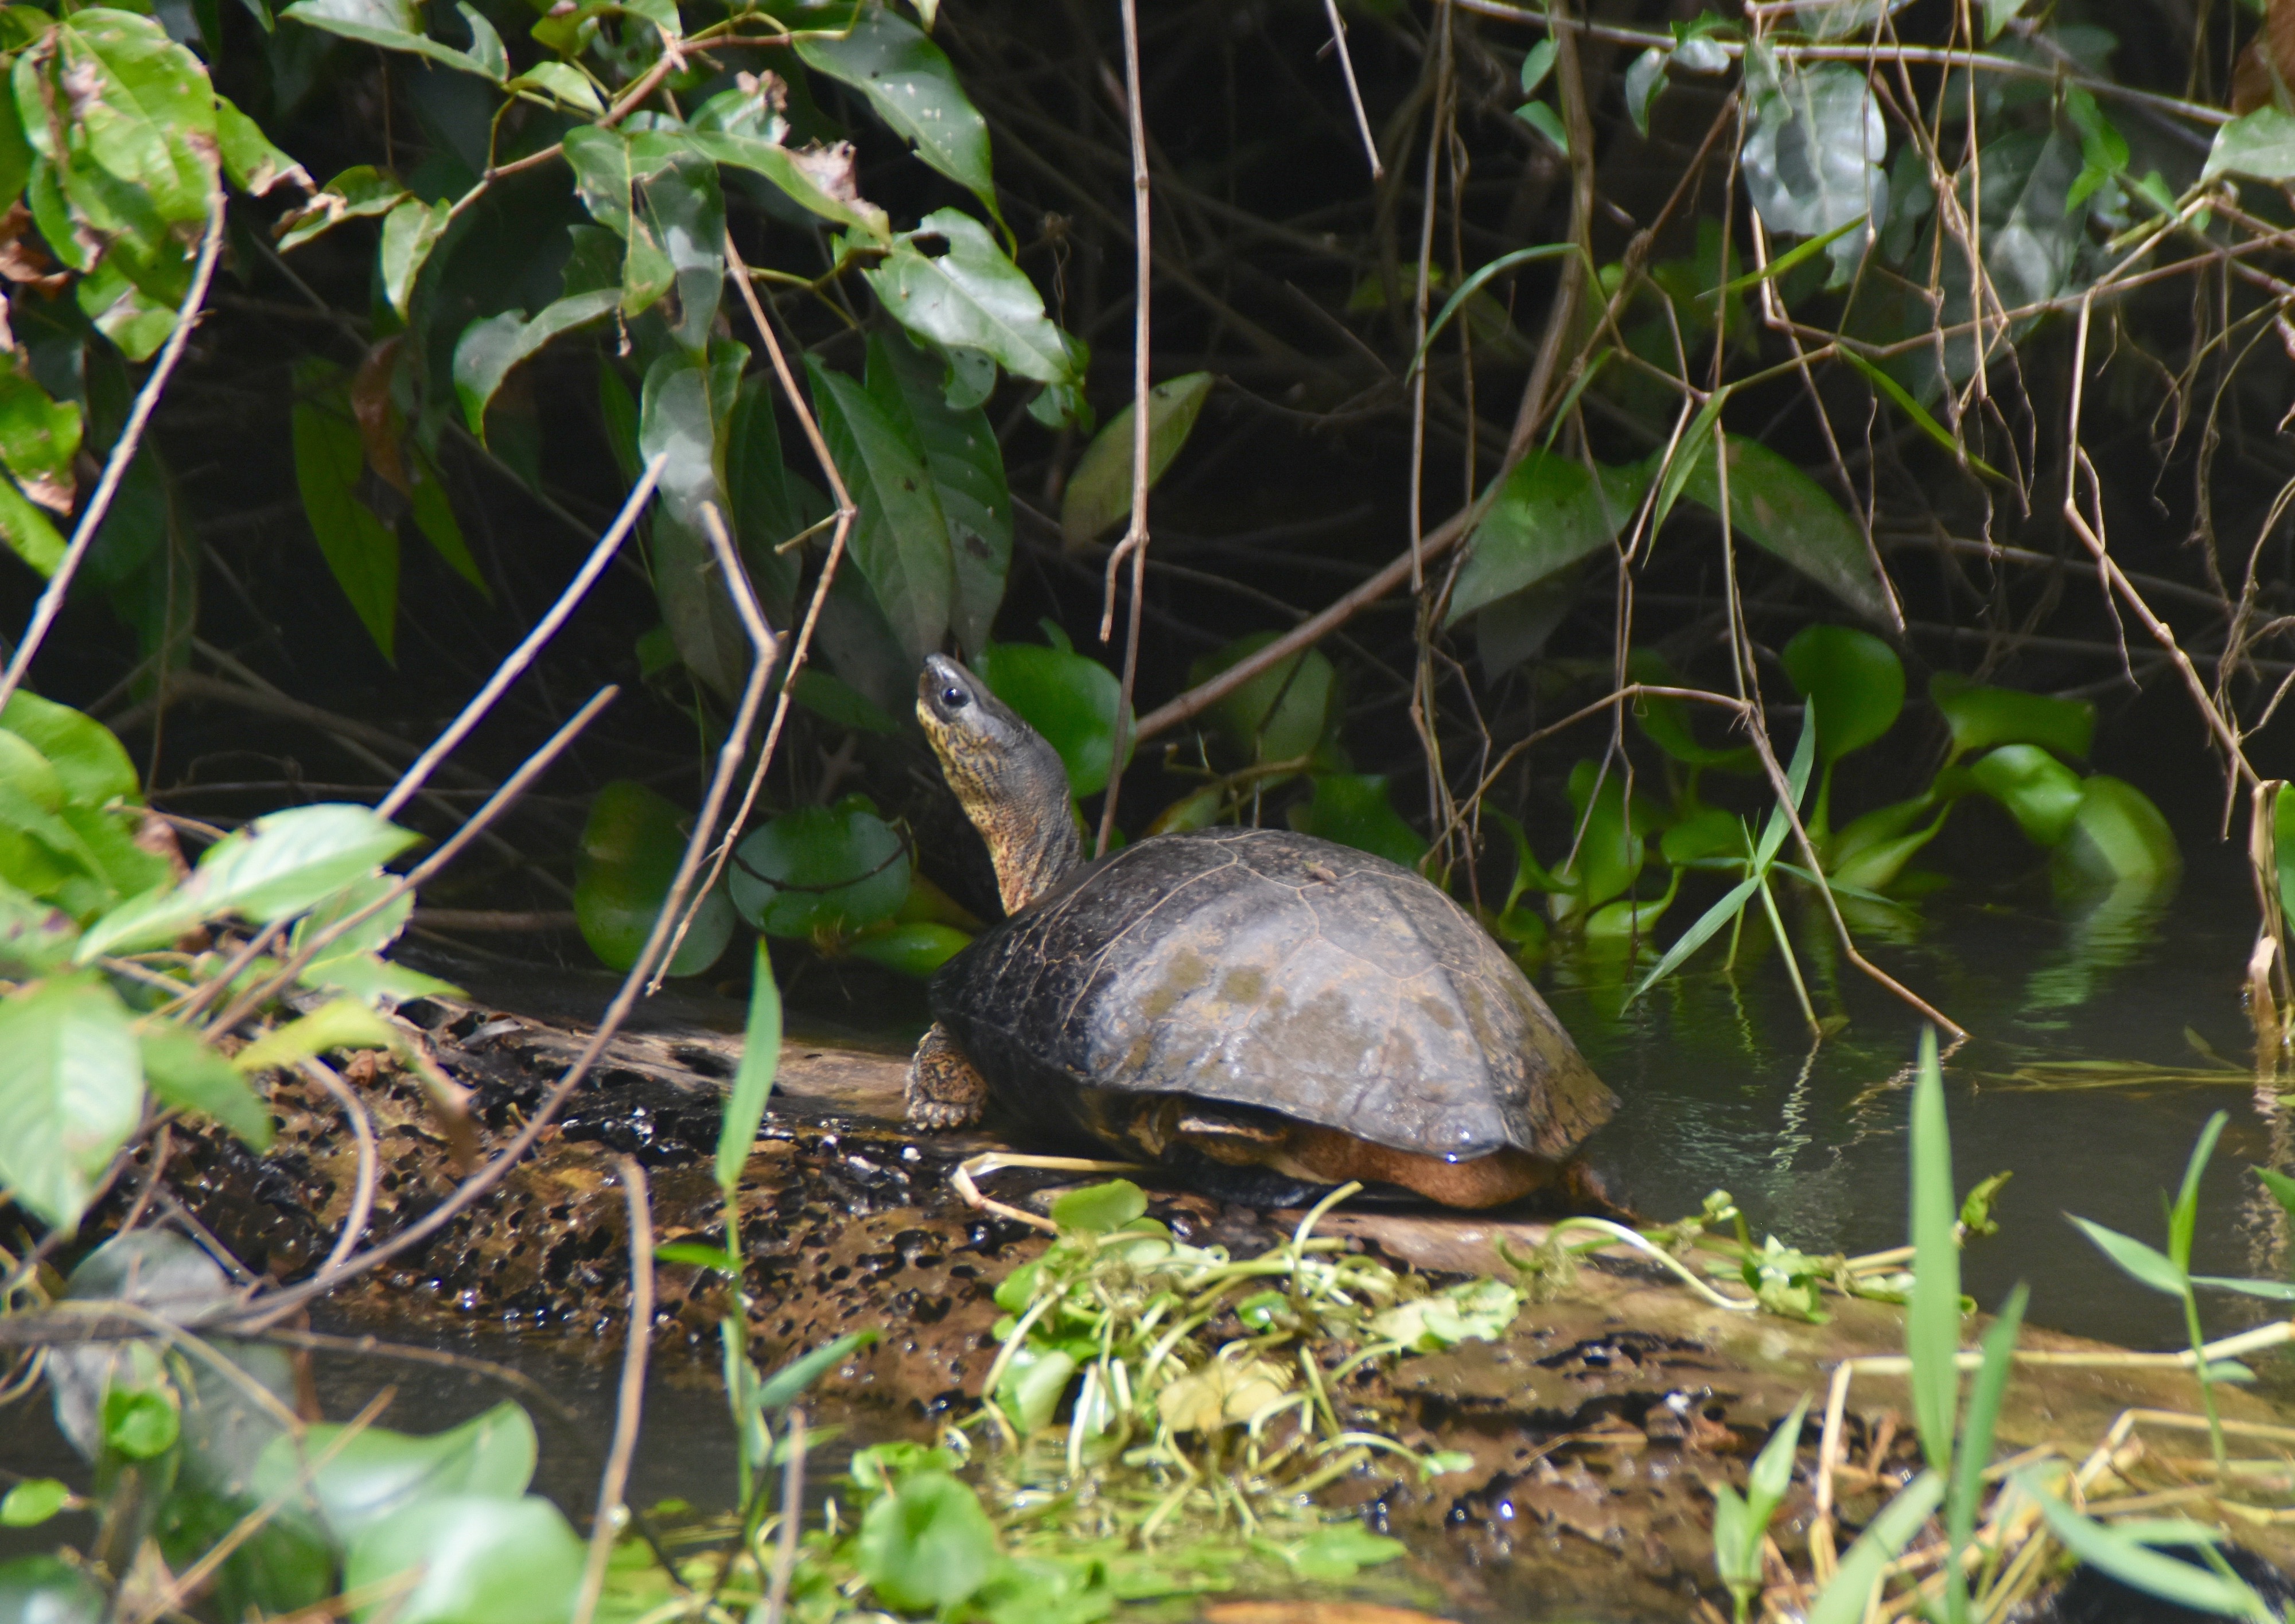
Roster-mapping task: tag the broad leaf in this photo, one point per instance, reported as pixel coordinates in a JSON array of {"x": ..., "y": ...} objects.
[
  {"x": 2040, "y": 792},
  {"x": 900, "y": 539},
  {"x": 142, "y": 111},
  {"x": 1098, "y": 493},
  {"x": 1784, "y": 511},
  {"x": 472, "y": 1560},
  {"x": 2117, "y": 836},
  {"x": 819, "y": 871},
  {"x": 630, "y": 850},
  {"x": 72, "y": 1089},
  {"x": 2261, "y": 145},
  {"x": 971, "y": 295},
  {"x": 329, "y": 458},
  {"x": 409, "y": 233},
  {"x": 1356, "y": 809},
  {"x": 678, "y": 421},
  {"x": 1982, "y": 717},
  {"x": 489, "y": 349},
  {"x": 1812, "y": 163},
  {"x": 1280, "y": 715},
  {"x": 910, "y": 82},
  {"x": 394, "y": 25},
  {"x": 39, "y": 437},
  {"x": 91, "y": 765},
  {"x": 374, "y": 1474},
  {"x": 1068, "y": 697},
  {"x": 928, "y": 1545},
  {"x": 966, "y": 467},
  {"x": 1550, "y": 513},
  {"x": 2147, "y": 1264},
  {"x": 1855, "y": 680},
  {"x": 186, "y": 1073}
]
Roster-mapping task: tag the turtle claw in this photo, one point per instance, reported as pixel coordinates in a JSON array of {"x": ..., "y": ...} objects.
[
  {"x": 946, "y": 1090},
  {"x": 935, "y": 1115}
]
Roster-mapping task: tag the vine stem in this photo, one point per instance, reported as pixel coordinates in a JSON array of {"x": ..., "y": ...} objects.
[
  {"x": 123, "y": 451},
  {"x": 1134, "y": 544}
]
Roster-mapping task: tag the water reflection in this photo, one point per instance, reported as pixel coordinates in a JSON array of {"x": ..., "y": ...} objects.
[{"x": 1724, "y": 1087}]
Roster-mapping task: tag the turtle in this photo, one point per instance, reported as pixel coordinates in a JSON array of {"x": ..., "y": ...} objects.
[{"x": 1265, "y": 1013}]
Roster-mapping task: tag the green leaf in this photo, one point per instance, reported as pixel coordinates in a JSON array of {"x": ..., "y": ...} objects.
[
  {"x": 276, "y": 867},
  {"x": 15, "y": 152},
  {"x": 1099, "y": 492},
  {"x": 27, "y": 532},
  {"x": 1474, "y": 1311},
  {"x": 1698, "y": 935},
  {"x": 473, "y": 1560},
  {"x": 2261, "y": 145},
  {"x": 1784, "y": 511},
  {"x": 343, "y": 1024},
  {"x": 2040, "y": 792},
  {"x": 683, "y": 212},
  {"x": 1856, "y": 682},
  {"x": 787, "y": 1385},
  {"x": 1099, "y": 1209},
  {"x": 489, "y": 350},
  {"x": 358, "y": 192},
  {"x": 1033, "y": 1383},
  {"x": 912, "y": 86},
  {"x": 142, "y": 111},
  {"x": 434, "y": 516},
  {"x": 630, "y": 847},
  {"x": 915, "y": 948},
  {"x": 2275, "y": 1291},
  {"x": 140, "y": 1423},
  {"x": 34, "y": 937},
  {"x": 1537, "y": 62},
  {"x": 409, "y": 233},
  {"x": 1644, "y": 79},
  {"x": 1665, "y": 722},
  {"x": 1771, "y": 1473},
  {"x": 249, "y": 160},
  {"x": 329, "y": 460},
  {"x": 72, "y": 1090},
  {"x": 1547, "y": 122},
  {"x": 2104, "y": 1547},
  {"x": 29, "y": 1504},
  {"x": 1354, "y": 810},
  {"x": 678, "y": 421},
  {"x": 928, "y": 1545},
  {"x": 820, "y": 180},
  {"x": 966, "y": 467},
  {"x": 820, "y": 870},
  {"x": 394, "y": 25},
  {"x": 186, "y": 1073},
  {"x": 761, "y": 1054},
  {"x": 698, "y": 1256},
  {"x": 2184, "y": 1217},
  {"x": 39, "y": 437},
  {"x": 1280, "y": 715},
  {"x": 2282, "y": 1188},
  {"x": 1812, "y": 163},
  {"x": 51, "y": 1591},
  {"x": 2117, "y": 836},
  {"x": 374, "y": 1474},
  {"x": 1913, "y": 409},
  {"x": 841, "y": 703},
  {"x": 90, "y": 763},
  {"x": 1845, "y": 1599},
  {"x": 1609, "y": 848},
  {"x": 562, "y": 82},
  {"x": 1550, "y": 513},
  {"x": 1982, "y": 717},
  {"x": 1984, "y": 1399},
  {"x": 1932, "y": 1324},
  {"x": 900, "y": 539},
  {"x": 2147, "y": 1264},
  {"x": 1072, "y": 700},
  {"x": 971, "y": 295}
]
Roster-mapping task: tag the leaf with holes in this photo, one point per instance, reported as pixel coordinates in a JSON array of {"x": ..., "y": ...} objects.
[
  {"x": 912, "y": 86},
  {"x": 971, "y": 295},
  {"x": 900, "y": 538}
]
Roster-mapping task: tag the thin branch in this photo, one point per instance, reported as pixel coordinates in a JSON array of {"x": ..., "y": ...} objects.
[
  {"x": 632, "y": 1400},
  {"x": 1355, "y": 91}
]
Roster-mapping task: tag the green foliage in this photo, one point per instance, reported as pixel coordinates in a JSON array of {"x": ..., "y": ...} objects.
[
  {"x": 1354, "y": 809},
  {"x": 753, "y": 1080},
  {"x": 1098, "y": 493},
  {"x": 820, "y": 871},
  {"x": 1741, "y": 1522},
  {"x": 1073, "y": 701},
  {"x": 1282, "y": 714},
  {"x": 623, "y": 870}
]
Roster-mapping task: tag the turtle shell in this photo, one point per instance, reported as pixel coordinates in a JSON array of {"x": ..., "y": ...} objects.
[{"x": 1269, "y": 969}]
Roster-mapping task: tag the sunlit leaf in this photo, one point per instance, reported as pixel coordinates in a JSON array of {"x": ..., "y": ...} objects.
[
  {"x": 394, "y": 25},
  {"x": 623, "y": 869},
  {"x": 2147, "y": 1264},
  {"x": 911, "y": 85},
  {"x": 1099, "y": 1209},
  {"x": 1033, "y": 1386},
  {"x": 29, "y": 1503},
  {"x": 71, "y": 1090},
  {"x": 928, "y": 1545},
  {"x": 971, "y": 295},
  {"x": 1982, "y": 717},
  {"x": 39, "y": 437},
  {"x": 917, "y": 946},
  {"x": 2040, "y": 792},
  {"x": 820, "y": 870},
  {"x": 376, "y": 1474},
  {"x": 1098, "y": 493},
  {"x": 140, "y": 1424},
  {"x": 476, "y": 1561},
  {"x": 787, "y": 1385},
  {"x": 1857, "y": 681},
  {"x": 1072, "y": 700},
  {"x": 1845, "y": 1599},
  {"x": 184, "y": 1072},
  {"x": 90, "y": 763},
  {"x": 142, "y": 111},
  {"x": 2104, "y": 1546},
  {"x": 409, "y": 233},
  {"x": 2261, "y": 144},
  {"x": 1932, "y": 1323},
  {"x": 2117, "y": 835}
]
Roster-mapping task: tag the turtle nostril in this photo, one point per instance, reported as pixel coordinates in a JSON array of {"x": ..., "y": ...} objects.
[{"x": 953, "y": 698}]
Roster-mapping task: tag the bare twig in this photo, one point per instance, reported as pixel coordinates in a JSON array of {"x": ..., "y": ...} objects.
[
  {"x": 123, "y": 450},
  {"x": 792, "y": 1515},
  {"x": 1355, "y": 91},
  {"x": 631, "y": 1398}
]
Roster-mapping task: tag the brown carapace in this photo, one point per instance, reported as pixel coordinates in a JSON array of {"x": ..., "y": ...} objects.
[{"x": 1267, "y": 1013}]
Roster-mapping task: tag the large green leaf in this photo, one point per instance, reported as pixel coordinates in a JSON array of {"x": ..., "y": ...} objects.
[
  {"x": 1069, "y": 699},
  {"x": 1099, "y": 492},
  {"x": 72, "y": 1089},
  {"x": 1357, "y": 809},
  {"x": 363, "y": 1478},
  {"x": 677, "y": 421},
  {"x": 900, "y": 539},
  {"x": 361, "y": 550},
  {"x": 2117, "y": 835},
  {"x": 39, "y": 437},
  {"x": 2040, "y": 792},
  {"x": 609, "y": 165},
  {"x": 1812, "y": 164},
  {"x": 474, "y": 1561},
  {"x": 1282, "y": 714},
  {"x": 820, "y": 870},
  {"x": 928, "y": 1545},
  {"x": 1784, "y": 511},
  {"x": 1982, "y": 717},
  {"x": 1550, "y": 513},
  {"x": 1856, "y": 682},
  {"x": 971, "y": 295},
  {"x": 276, "y": 867},
  {"x": 910, "y": 82},
  {"x": 394, "y": 25},
  {"x": 682, "y": 213},
  {"x": 820, "y": 180},
  {"x": 90, "y": 763},
  {"x": 141, "y": 108},
  {"x": 631, "y": 845},
  {"x": 967, "y": 473},
  {"x": 184, "y": 1072},
  {"x": 2261, "y": 144},
  {"x": 409, "y": 233},
  {"x": 29, "y": 533}
]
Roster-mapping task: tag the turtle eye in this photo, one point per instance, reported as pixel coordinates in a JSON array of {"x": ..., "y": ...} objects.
[{"x": 954, "y": 698}]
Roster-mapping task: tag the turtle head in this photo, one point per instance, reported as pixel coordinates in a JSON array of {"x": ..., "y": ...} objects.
[{"x": 1008, "y": 778}]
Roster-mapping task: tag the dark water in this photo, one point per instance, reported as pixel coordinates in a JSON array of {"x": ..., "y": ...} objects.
[{"x": 1724, "y": 1088}]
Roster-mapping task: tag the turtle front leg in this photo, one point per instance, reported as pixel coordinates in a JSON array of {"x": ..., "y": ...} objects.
[{"x": 946, "y": 1089}]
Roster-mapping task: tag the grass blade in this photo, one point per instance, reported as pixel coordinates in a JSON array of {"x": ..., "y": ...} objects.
[
  {"x": 761, "y": 1055},
  {"x": 2183, "y": 1218},
  {"x": 1786, "y": 261},
  {"x": 1933, "y": 1327},
  {"x": 1473, "y": 284},
  {"x": 1844, "y": 1600},
  {"x": 2148, "y": 1264},
  {"x": 2146, "y": 1570},
  {"x": 1967, "y": 1493},
  {"x": 1913, "y": 409},
  {"x": 1697, "y": 935}
]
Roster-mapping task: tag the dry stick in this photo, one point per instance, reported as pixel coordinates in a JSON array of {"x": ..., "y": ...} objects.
[
  {"x": 1134, "y": 544},
  {"x": 847, "y": 509},
  {"x": 123, "y": 451},
  {"x": 1355, "y": 91},
  {"x": 370, "y": 1167},
  {"x": 792, "y": 1513},
  {"x": 2093, "y": 538},
  {"x": 632, "y": 1402},
  {"x": 531, "y": 768},
  {"x": 521, "y": 657},
  {"x": 277, "y": 1305}
]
